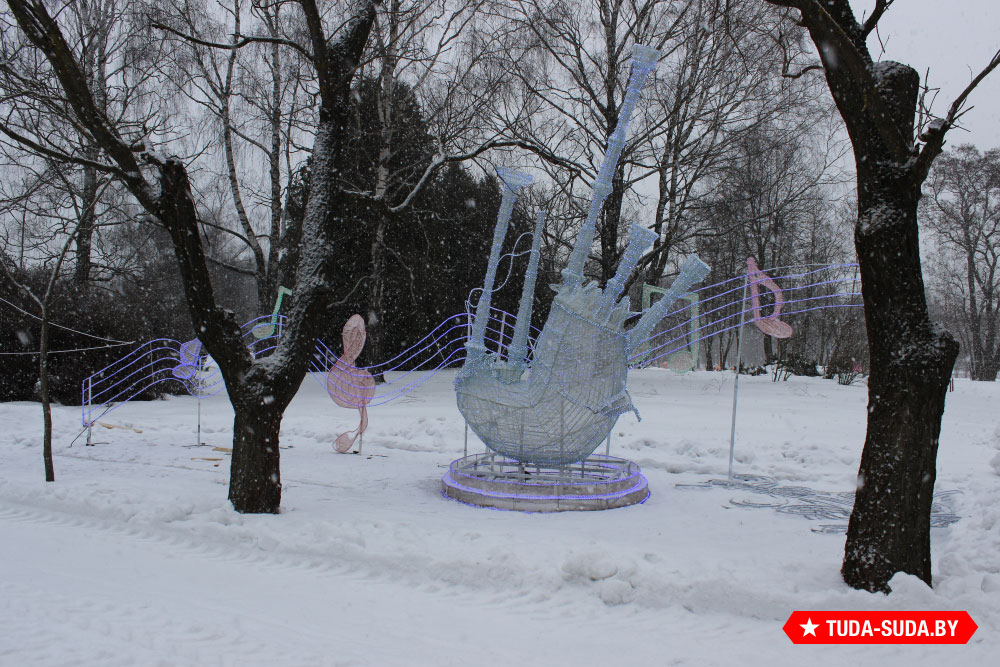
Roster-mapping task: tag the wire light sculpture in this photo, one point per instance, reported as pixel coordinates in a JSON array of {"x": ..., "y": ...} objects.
[
  {"x": 166, "y": 360},
  {"x": 349, "y": 386},
  {"x": 770, "y": 324},
  {"x": 556, "y": 409},
  {"x": 685, "y": 359}
]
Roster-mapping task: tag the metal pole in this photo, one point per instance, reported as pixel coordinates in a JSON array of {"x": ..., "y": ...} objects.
[
  {"x": 90, "y": 402},
  {"x": 607, "y": 445},
  {"x": 502, "y": 349},
  {"x": 736, "y": 382},
  {"x": 198, "y": 441},
  {"x": 465, "y": 449}
]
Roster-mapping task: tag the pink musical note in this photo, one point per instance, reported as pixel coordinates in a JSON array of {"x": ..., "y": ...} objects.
[
  {"x": 349, "y": 386},
  {"x": 769, "y": 324}
]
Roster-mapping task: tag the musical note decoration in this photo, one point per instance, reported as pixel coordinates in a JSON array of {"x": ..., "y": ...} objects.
[
  {"x": 350, "y": 386},
  {"x": 770, "y": 324},
  {"x": 188, "y": 355},
  {"x": 267, "y": 330}
]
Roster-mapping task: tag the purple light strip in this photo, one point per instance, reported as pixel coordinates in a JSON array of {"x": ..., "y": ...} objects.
[
  {"x": 445, "y": 495},
  {"x": 407, "y": 350},
  {"x": 330, "y": 356},
  {"x": 320, "y": 372},
  {"x": 145, "y": 357},
  {"x": 456, "y": 355},
  {"x": 726, "y": 305},
  {"x": 209, "y": 386},
  {"x": 794, "y": 312},
  {"x": 606, "y": 464},
  {"x": 641, "y": 483},
  {"x": 325, "y": 359},
  {"x": 731, "y": 316}
]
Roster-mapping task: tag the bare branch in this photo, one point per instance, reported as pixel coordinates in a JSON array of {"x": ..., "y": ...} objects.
[
  {"x": 58, "y": 155},
  {"x": 795, "y": 75},
  {"x": 934, "y": 135},
  {"x": 872, "y": 21},
  {"x": 239, "y": 44},
  {"x": 844, "y": 56}
]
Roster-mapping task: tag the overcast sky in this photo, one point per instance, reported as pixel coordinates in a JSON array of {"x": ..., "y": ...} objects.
[{"x": 955, "y": 39}]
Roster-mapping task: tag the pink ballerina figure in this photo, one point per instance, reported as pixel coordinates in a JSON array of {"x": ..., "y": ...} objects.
[{"x": 350, "y": 386}]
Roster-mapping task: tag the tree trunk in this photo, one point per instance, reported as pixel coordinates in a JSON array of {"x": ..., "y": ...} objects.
[
  {"x": 911, "y": 364},
  {"x": 911, "y": 360},
  {"x": 43, "y": 380},
  {"x": 255, "y": 473},
  {"x": 85, "y": 230},
  {"x": 769, "y": 354}
]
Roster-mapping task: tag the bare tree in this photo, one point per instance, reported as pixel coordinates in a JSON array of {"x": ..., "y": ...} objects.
[
  {"x": 260, "y": 389},
  {"x": 423, "y": 54},
  {"x": 54, "y": 232},
  {"x": 102, "y": 32},
  {"x": 569, "y": 62},
  {"x": 911, "y": 360},
  {"x": 963, "y": 215},
  {"x": 716, "y": 91},
  {"x": 257, "y": 100}
]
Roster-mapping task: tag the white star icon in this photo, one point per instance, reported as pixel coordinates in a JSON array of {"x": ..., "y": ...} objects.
[{"x": 809, "y": 628}]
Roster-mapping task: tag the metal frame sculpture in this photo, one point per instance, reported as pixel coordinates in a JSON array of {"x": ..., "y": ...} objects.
[
  {"x": 165, "y": 360},
  {"x": 770, "y": 324},
  {"x": 559, "y": 412},
  {"x": 350, "y": 386},
  {"x": 685, "y": 358}
]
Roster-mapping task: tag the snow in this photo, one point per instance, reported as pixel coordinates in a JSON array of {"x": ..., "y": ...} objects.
[{"x": 134, "y": 555}]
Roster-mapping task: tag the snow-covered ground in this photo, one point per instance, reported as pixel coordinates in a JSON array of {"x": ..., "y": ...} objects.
[{"x": 135, "y": 557}]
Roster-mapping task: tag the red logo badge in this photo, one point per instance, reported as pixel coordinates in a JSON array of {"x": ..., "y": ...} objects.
[{"x": 880, "y": 627}]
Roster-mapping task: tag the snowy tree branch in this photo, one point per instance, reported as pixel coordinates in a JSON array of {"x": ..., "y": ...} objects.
[
  {"x": 839, "y": 52},
  {"x": 934, "y": 135}
]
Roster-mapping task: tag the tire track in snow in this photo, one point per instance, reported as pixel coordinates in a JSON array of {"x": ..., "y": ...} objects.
[
  {"x": 540, "y": 604},
  {"x": 111, "y": 631}
]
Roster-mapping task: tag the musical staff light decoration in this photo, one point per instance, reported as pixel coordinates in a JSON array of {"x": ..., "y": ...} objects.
[{"x": 166, "y": 360}]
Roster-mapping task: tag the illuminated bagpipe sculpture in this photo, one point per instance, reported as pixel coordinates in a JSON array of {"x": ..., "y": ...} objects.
[{"x": 555, "y": 409}]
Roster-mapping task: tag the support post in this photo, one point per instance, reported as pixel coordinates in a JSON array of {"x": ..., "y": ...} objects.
[
  {"x": 736, "y": 382},
  {"x": 90, "y": 402}
]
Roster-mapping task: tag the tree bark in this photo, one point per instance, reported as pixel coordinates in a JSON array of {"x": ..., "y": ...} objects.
[
  {"x": 911, "y": 364},
  {"x": 255, "y": 472},
  {"x": 911, "y": 361},
  {"x": 85, "y": 230}
]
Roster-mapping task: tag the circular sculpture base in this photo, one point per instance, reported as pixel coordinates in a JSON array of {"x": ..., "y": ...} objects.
[{"x": 598, "y": 483}]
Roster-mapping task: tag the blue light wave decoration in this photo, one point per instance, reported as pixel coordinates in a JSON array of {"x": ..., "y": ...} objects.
[
  {"x": 443, "y": 347},
  {"x": 164, "y": 360},
  {"x": 841, "y": 292},
  {"x": 157, "y": 361}
]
